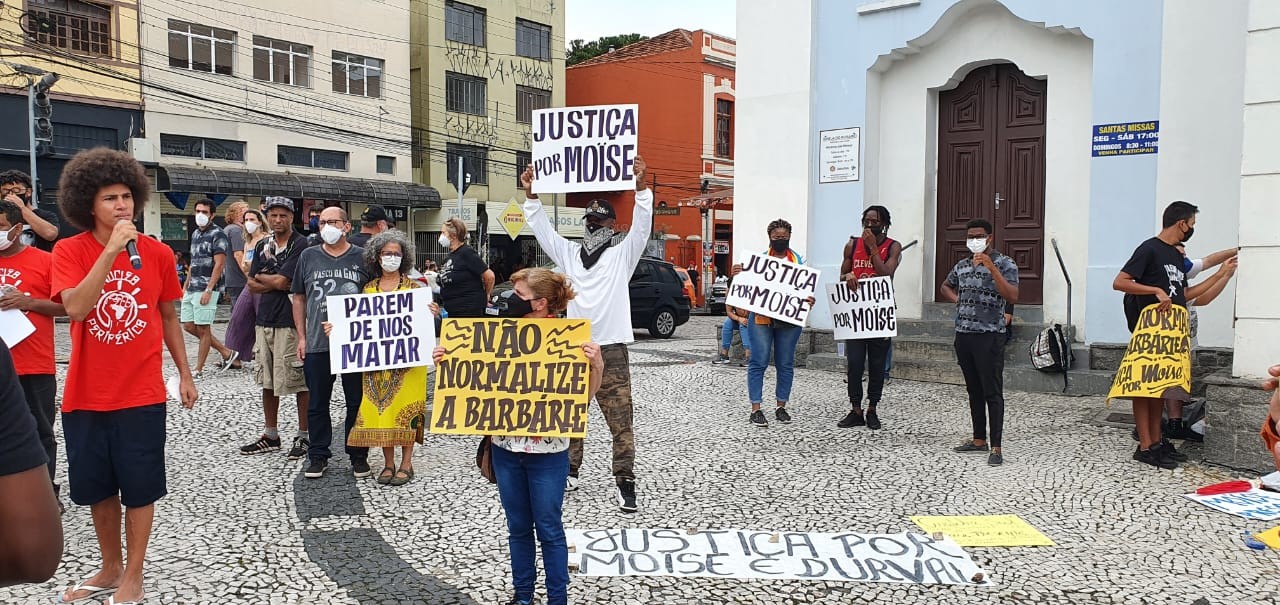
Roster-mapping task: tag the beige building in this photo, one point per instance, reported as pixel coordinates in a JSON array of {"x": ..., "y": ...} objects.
[
  {"x": 478, "y": 70},
  {"x": 307, "y": 99}
]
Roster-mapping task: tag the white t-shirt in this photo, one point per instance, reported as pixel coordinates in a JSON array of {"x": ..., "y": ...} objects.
[{"x": 603, "y": 292}]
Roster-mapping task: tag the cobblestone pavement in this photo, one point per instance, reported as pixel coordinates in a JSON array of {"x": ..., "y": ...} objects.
[{"x": 249, "y": 530}]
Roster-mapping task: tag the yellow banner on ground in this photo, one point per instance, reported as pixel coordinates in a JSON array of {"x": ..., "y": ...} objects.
[
  {"x": 1271, "y": 537},
  {"x": 985, "y": 530},
  {"x": 1157, "y": 363},
  {"x": 515, "y": 377}
]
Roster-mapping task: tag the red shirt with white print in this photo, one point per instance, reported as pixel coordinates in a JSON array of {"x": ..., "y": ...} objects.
[
  {"x": 116, "y": 352},
  {"x": 29, "y": 272}
]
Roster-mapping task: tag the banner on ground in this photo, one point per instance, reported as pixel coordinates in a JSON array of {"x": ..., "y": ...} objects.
[
  {"x": 515, "y": 377},
  {"x": 774, "y": 288},
  {"x": 866, "y": 312},
  {"x": 381, "y": 331},
  {"x": 1157, "y": 363},
  {"x": 984, "y": 530},
  {"x": 1256, "y": 504},
  {"x": 734, "y": 553},
  {"x": 589, "y": 148}
]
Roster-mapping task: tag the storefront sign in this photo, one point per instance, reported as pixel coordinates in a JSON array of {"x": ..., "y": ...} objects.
[
  {"x": 430, "y": 220},
  {"x": 722, "y": 247},
  {"x": 590, "y": 148},
  {"x": 1133, "y": 138},
  {"x": 502, "y": 220},
  {"x": 839, "y": 155}
]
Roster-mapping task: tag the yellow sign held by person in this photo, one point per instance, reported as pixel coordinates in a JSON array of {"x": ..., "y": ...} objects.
[
  {"x": 985, "y": 530},
  {"x": 514, "y": 377},
  {"x": 1157, "y": 364}
]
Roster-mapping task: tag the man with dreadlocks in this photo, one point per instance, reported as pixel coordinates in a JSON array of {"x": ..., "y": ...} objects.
[
  {"x": 872, "y": 255},
  {"x": 600, "y": 270}
]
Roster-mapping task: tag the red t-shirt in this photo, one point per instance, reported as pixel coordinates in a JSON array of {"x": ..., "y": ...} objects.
[
  {"x": 29, "y": 271},
  {"x": 116, "y": 351}
]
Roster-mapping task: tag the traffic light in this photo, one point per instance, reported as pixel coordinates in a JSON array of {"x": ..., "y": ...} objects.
[{"x": 42, "y": 113}]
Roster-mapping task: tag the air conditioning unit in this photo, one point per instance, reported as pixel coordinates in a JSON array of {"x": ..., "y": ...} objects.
[{"x": 141, "y": 150}]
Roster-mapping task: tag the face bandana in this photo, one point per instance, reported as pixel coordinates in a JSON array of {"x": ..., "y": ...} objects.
[{"x": 598, "y": 240}]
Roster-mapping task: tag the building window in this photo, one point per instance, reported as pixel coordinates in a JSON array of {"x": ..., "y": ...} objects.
[
  {"x": 476, "y": 162},
  {"x": 80, "y": 27},
  {"x": 523, "y": 159},
  {"x": 533, "y": 40},
  {"x": 202, "y": 148},
  {"x": 386, "y": 164},
  {"x": 724, "y": 128},
  {"x": 280, "y": 62},
  {"x": 357, "y": 75},
  {"x": 529, "y": 100},
  {"x": 201, "y": 48},
  {"x": 465, "y": 94},
  {"x": 418, "y": 148},
  {"x": 464, "y": 23},
  {"x": 311, "y": 158}
]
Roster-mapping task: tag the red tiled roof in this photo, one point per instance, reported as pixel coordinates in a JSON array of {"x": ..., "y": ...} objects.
[{"x": 676, "y": 39}]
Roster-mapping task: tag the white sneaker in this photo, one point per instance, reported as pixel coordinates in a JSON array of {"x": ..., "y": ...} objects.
[
  {"x": 571, "y": 484},
  {"x": 226, "y": 363}
]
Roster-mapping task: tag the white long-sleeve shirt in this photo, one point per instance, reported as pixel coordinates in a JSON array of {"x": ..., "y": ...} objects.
[{"x": 603, "y": 293}]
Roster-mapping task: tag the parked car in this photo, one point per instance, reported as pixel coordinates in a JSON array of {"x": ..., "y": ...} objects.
[
  {"x": 715, "y": 299},
  {"x": 689, "y": 290},
  {"x": 659, "y": 303}
]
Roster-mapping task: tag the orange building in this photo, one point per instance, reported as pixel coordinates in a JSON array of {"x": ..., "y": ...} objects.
[{"x": 683, "y": 82}]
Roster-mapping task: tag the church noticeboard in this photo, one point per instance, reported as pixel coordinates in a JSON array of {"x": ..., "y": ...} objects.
[
  {"x": 1131, "y": 138},
  {"x": 839, "y": 154}
]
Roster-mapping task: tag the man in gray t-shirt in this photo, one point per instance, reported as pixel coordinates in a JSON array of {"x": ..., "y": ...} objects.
[{"x": 331, "y": 269}]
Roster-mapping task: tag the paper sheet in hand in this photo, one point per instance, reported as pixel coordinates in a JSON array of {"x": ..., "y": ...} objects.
[{"x": 15, "y": 327}]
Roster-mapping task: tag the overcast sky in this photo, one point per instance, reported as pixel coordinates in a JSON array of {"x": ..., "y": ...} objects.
[{"x": 592, "y": 19}]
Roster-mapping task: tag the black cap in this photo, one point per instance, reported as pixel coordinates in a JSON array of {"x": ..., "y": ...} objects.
[
  {"x": 601, "y": 208},
  {"x": 373, "y": 214}
]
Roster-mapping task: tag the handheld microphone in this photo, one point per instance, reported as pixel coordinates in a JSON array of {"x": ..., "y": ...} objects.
[{"x": 132, "y": 248}]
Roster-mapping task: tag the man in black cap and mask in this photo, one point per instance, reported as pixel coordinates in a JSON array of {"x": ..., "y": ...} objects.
[
  {"x": 600, "y": 271},
  {"x": 373, "y": 221}
]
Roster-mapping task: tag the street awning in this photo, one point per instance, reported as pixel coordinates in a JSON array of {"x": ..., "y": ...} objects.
[{"x": 263, "y": 183}]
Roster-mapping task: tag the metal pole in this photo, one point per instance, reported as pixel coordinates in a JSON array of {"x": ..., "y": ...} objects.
[
  {"x": 461, "y": 183},
  {"x": 31, "y": 130}
]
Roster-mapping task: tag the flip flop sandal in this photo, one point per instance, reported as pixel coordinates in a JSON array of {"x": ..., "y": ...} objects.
[
  {"x": 111, "y": 600},
  {"x": 94, "y": 592},
  {"x": 402, "y": 479},
  {"x": 385, "y": 477}
]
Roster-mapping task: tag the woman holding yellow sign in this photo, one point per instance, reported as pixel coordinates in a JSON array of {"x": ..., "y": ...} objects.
[{"x": 531, "y": 471}]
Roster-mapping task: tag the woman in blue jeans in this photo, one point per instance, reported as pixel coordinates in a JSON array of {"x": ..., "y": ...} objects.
[
  {"x": 773, "y": 338},
  {"x": 532, "y": 471}
]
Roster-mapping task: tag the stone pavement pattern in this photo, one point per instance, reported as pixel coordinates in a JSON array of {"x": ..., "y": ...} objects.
[{"x": 250, "y": 530}]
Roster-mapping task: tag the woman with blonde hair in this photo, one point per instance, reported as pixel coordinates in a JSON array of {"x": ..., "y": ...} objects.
[
  {"x": 532, "y": 471},
  {"x": 465, "y": 281}
]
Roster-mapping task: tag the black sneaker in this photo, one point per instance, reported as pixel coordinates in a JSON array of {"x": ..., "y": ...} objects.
[
  {"x": 969, "y": 446},
  {"x": 995, "y": 459},
  {"x": 873, "y": 421},
  {"x": 1152, "y": 457},
  {"x": 721, "y": 360},
  {"x": 627, "y": 495},
  {"x": 299, "y": 449},
  {"x": 1179, "y": 429},
  {"x": 360, "y": 468},
  {"x": 516, "y": 601},
  {"x": 316, "y": 469},
  {"x": 1167, "y": 450},
  {"x": 782, "y": 415},
  {"x": 263, "y": 445},
  {"x": 852, "y": 419},
  {"x": 757, "y": 418}
]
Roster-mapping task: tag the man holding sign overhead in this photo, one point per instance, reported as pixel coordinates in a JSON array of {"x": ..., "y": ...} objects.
[
  {"x": 872, "y": 255},
  {"x": 600, "y": 270}
]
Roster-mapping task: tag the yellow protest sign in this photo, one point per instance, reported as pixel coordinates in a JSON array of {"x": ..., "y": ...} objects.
[
  {"x": 515, "y": 377},
  {"x": 1157, "y": 363},
  {"x": 1271, "y": 537},
  {"x": 985, "y": 530}
]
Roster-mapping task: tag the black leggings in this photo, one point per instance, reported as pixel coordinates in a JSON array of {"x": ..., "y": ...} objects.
[{"x": 981, "y": 358}]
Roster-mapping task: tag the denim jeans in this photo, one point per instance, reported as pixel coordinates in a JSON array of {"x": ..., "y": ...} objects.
[
  {"x": 531, "y": 487},
  {"x": 777, "y": 340},
  {"x": 726, "y": 335},
  {"x": 315, "y": 367}
]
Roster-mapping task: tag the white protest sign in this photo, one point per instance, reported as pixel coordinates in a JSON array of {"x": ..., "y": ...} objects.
[
  {"x": 868, "y": 312},
  {"x": 381, "y": 331},
  {"x": 589, "y": 148},
  {"x": 903, "y": 558},
  {"x": 1256, "y": 504},
  {"x": 774, "y": 288},
  {"x": 15, "y": 327}
]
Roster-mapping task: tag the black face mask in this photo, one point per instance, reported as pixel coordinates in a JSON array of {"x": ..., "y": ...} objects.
[
  {"x": 779, "y": 245},
  {"x": 593, "y": 227},
  {"x": 877, "y": 230},
  {"x": 516, "y": 307},
  {"x": 1190, "y": 231}
]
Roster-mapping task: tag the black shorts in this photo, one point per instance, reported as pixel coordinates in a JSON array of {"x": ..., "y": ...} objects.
[{"x": 118, "y": 452}]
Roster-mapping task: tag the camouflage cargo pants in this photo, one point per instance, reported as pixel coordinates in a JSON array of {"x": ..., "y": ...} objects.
[{"x": 614, "y": 397}]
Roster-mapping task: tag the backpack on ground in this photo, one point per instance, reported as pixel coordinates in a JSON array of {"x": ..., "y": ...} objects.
[{"x": 1050, "y": 352}]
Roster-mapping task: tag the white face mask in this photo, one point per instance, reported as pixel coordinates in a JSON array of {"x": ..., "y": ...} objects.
[
  {"x": 250, "y": 227},
  {"x": 391, "y": 263},
  {"x": 202, "y": 220},
  {"x": 976, "y": 244},
  {"x": 330, "y": 234},
  {"x": 6, "y": 239},
  {"x": 445, "y": 242}
]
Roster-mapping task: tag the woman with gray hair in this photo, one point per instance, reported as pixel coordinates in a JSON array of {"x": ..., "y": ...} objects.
[{"x": 394, "y": 402}]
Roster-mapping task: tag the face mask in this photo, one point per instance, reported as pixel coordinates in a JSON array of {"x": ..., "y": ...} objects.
[
  {"x": 330, "y": 234},
  {"x": 779, "y": 245},
  {"x": 250, "y": 227},
  {"x": 202, "y": 220},
  {"x": 517, "y": 307},
  {"x": 390, "y": 264},
  {"x": 6, "y": 240},
  {"x": 315, "y": 222},
  {"x": 593, "y": 227},
  {"x": 877, "y": 230},
  {"x": 976, "y": 244},
  {"x": 444, "y": 240},
  {"x": 1190, "y": 231}
]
